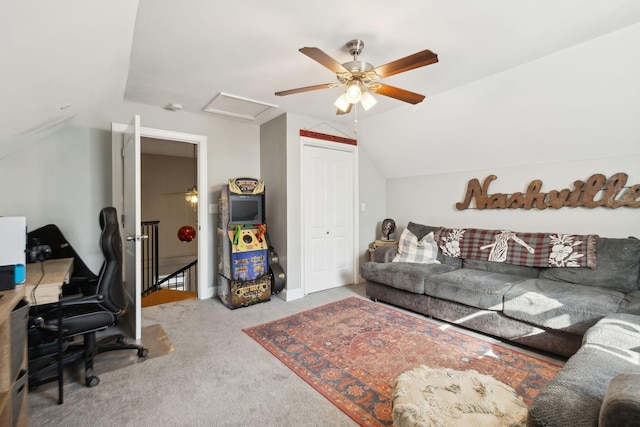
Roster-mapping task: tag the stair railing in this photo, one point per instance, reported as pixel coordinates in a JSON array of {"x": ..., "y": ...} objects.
[
  {"x": 184, "y": 279},
  {"x": 150, "y": 266}
]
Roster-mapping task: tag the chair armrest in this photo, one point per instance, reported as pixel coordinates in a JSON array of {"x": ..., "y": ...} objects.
[
  {"x": 80, "y": 285},
  {"x": 79, "y": 299}
]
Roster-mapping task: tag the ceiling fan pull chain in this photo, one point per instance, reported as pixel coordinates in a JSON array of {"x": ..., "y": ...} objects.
[{"x": 355, "y": 119}]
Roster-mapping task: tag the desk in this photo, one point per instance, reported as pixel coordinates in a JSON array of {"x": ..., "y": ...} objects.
[
  {"x": 12, "y": 342},
  {"x": 47, "y": 278}
]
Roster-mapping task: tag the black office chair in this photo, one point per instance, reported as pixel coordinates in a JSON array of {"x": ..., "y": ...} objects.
[{"x": 51, "y": 337}]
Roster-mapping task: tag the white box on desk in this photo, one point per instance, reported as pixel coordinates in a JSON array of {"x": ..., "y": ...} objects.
[{"x": 13, "y": 240}]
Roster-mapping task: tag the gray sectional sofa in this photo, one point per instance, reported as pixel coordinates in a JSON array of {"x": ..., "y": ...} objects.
[
  {"x": 600, "y": 384},
  {"x": 591, "y": 315},
  {"x": 548, "y": 309}
]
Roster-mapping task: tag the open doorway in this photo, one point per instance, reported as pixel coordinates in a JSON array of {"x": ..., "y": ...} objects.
[
  {"x": 169, "y": 200},
  {"x": 118, "y": 193}
]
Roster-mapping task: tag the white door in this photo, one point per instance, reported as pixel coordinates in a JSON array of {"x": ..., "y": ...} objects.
[
  {"x": 328, "y": 209},
  {"x": 131, "y": 225},
  {"x": 118, "y": 185}
]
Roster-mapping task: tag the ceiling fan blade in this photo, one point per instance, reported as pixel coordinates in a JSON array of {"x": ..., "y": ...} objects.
[
  {"x": 407, "y": 63},
  {"x": 323, "y": 59},
  {"x": 305, "y": 89},
  {"x": 339, "y": 112},
  {"x": 401, "y": 94}
]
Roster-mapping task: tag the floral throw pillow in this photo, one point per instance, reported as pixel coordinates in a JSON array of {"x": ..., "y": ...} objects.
[{"x": 410, "y": 249}]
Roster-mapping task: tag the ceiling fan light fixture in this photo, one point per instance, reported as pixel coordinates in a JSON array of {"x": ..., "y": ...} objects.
[
  {"x": 341, "y": 103},
  {"x": 191, "y": 195},
  {"x": 353, "y": 94},
  {"x": 368, "y": 101}
]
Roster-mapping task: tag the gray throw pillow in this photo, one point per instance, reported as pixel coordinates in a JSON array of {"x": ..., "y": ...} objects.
[{"x": 420, "y": 230}]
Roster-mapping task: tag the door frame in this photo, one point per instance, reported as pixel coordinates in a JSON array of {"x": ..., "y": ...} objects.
[
  {"x": 329, "y": 145},
  {"x": 204, "y": 267}
]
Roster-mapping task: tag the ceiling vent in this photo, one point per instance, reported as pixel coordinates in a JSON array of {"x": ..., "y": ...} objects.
[{"x": 235, "y": 106}]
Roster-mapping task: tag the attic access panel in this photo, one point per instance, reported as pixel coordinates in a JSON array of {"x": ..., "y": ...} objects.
[{"x": 236, "y": 106}]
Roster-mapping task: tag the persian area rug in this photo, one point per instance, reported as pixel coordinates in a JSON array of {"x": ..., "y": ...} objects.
[{"x": 351, "y": 351}]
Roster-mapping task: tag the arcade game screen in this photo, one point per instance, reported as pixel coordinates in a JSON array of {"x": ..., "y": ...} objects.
[{"x": 245, "y": 211}]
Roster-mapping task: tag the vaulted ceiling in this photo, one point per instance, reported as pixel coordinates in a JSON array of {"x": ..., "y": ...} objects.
[{"x": 72, "y": 58}]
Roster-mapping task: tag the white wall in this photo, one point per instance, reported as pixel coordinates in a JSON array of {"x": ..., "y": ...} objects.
[
  {"x": 66, "y": 178},
  {"x": 370, "y": 182},
  {"x": 373, "y": 194},
  {"x": 431, "y": 199},
  {"x": 559, "y": 119},
  {"x": 273, "y": 161},
  {"x": 582, "y": 103}
]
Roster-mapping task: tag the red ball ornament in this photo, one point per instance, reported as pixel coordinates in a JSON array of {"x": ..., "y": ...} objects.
[{"x": 186, "y": 233}]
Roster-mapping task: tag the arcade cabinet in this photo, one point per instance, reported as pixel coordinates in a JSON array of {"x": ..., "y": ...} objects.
[{"x": 243, "y": 250}]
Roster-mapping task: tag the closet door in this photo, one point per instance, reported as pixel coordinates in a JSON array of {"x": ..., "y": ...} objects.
[{"x": 328, "y": 217}]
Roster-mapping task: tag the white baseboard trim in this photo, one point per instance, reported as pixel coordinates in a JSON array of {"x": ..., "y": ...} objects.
[{"x": 291, "y": 295}]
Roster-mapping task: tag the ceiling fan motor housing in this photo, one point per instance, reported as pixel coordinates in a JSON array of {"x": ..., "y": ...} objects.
[{"x": 355, "y": 47}]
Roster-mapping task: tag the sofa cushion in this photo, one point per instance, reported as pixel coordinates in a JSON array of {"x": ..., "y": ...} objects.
[
  {"x": 617, "y": 266},
  {"x": 412, "y": 249},
  {"x": 476, "y": 288},
  {"x": 407, "y": 276},
  {"x": 559, "y": 305},
  {"x": 501, "y": 267},
  {"x": 619, "y": 331}
]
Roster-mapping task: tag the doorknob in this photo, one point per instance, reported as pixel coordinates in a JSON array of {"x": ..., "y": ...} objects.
[{"x": 135, "y": 238}]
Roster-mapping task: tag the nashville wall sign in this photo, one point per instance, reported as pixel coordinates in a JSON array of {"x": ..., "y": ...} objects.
[{"x": 596, "y": 191}]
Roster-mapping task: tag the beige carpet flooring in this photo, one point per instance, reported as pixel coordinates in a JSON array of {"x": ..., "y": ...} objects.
[{"x": 216, "y": 375}]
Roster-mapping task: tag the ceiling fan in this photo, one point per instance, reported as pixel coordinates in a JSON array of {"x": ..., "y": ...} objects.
[{"x": 361, "y": 79}]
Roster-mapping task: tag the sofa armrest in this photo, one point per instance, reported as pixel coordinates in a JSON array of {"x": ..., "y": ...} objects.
[
  {"x": 621, "y": 404},
  {"x": 631, "y": 303},
  {"x": 385, "y": 253}
]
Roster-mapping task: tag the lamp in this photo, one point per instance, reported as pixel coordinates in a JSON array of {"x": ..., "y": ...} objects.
[
  {"x": 341, "y": 103},
  {"x": 191, "y": 195},
  {"x": 367, "y": 101},
  {"x": 353, "y": 95}
]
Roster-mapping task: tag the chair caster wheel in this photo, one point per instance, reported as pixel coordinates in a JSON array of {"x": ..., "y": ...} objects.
[
  {"x": 92, "y": 381},
  {"x": 143, "y": 352}
]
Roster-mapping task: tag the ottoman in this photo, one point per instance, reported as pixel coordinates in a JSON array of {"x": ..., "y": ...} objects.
[{"x": 444, "y": 397}]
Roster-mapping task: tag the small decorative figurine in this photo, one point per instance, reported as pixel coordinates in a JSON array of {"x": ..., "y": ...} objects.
[{"x": 388, "y": 228}]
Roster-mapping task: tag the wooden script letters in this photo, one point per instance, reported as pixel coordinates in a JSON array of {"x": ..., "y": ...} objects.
[{"x": 596, "y": 191}]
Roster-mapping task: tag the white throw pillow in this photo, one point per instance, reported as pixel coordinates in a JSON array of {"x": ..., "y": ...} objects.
[{"x": 410, "y": 249}]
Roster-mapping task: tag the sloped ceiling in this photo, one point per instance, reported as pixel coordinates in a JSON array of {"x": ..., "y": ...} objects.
[
  {"x": 72, "y": 58},
  {"x": 60, "y": 60}
]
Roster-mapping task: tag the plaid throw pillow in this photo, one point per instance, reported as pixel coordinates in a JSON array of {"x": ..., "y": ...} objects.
[{"x": 410, "y": 249}]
